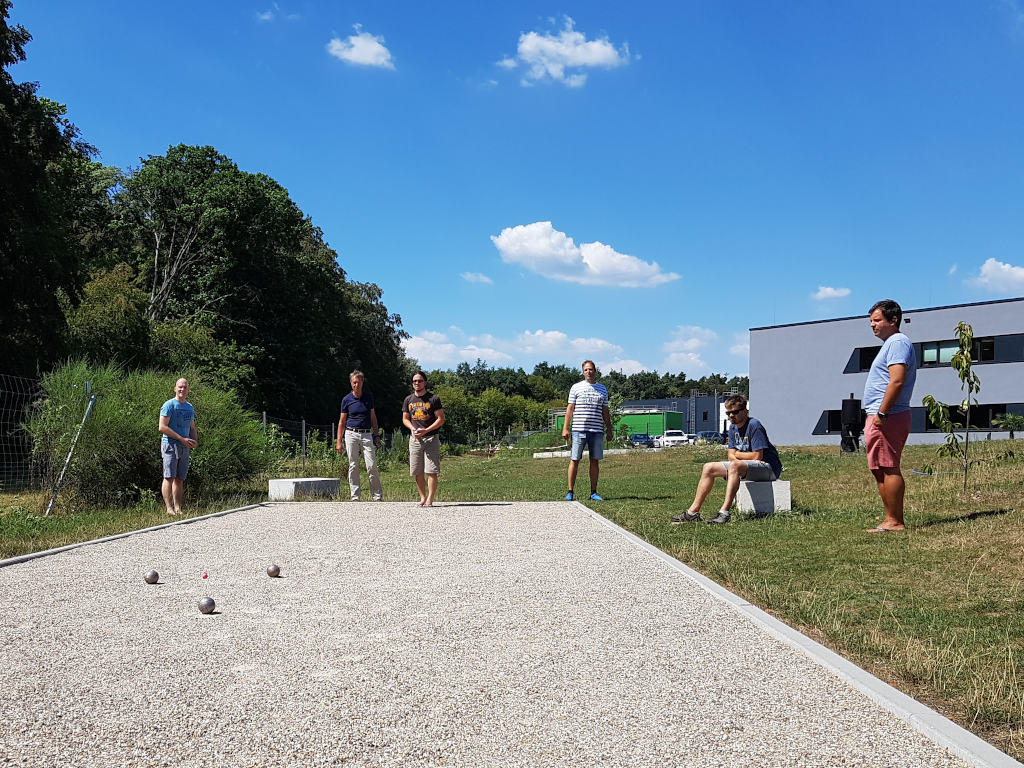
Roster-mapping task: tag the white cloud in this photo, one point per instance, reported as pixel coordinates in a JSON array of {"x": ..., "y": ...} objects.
[
  {"x": 561, "y": 57},
  {"x": 1000, "y": 278},
  {"x": 689, "y": 338},
  {"x": 476, "y": 277},
  {"x": 741, "y": 344},
  {"x": 543, "y": 249},
  {"x": 274, "y": 12},
  {"x": 431, "y": 349},
  {"x": 436, "y": 349},
  {"x": 952, "y": 270},
  {"x": 541, "y": 342},
  {"x": 828, "y": 292},
  {"x": 687, "y": 362},
  {"x": 627, "y": 367},
  {"x": 491, "y": 355},
  {"x": 361, "y": 49}
]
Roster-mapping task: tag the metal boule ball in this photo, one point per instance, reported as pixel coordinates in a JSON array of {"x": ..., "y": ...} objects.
[
  {"x": 151, "y": 577},
  {"x": 206, "y": 605},
  {"x": 274, "y": 571}
]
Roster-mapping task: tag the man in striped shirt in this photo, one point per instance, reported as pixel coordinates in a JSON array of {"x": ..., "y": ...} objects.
[{"x": 590, "y": 419}]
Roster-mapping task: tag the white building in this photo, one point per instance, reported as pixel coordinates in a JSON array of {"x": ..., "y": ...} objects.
[{"x": 800, "y": 373}]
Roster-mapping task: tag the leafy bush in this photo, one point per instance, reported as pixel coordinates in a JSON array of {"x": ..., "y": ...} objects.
[{"x": 117, "y": 459}]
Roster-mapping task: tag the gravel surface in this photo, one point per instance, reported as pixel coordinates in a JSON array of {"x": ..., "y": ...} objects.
[{"x": 505, "y": 634}]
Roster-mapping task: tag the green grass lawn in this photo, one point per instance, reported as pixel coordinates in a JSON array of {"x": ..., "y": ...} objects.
[{"x": 938, "y": 611}]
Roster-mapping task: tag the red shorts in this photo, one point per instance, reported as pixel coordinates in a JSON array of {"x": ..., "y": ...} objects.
[{"x": 885, "y": 446}]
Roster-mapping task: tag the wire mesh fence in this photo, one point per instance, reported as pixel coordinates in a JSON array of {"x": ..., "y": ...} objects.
[{"x": 18, "y": 395}]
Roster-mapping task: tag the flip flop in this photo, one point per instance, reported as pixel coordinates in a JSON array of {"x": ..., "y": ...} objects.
[{"x": 880, "y": 529}]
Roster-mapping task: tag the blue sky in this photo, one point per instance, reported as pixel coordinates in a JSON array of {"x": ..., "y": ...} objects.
[{"x": 634, "y": 183}]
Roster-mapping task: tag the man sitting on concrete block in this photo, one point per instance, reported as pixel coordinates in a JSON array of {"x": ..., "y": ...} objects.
[{"x": 751, "y": 457}]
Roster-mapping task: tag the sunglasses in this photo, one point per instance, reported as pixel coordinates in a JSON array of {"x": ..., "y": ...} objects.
[{"x": 733, "y": 413}]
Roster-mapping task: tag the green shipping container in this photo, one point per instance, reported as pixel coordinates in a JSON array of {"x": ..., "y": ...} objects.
[{"x": 654, "y": 423}]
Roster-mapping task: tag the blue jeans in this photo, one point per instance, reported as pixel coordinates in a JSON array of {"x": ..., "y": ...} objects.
[{"x": 594, "y": 442}]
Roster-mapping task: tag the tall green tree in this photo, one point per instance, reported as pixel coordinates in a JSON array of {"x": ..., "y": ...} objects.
[
  {"x": 46, "y": 188},
  {"x": 229, "y": 252}
]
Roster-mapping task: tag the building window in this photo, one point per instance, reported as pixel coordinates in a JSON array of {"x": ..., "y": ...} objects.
[
  {"x": 938, "y": 352},
  {"x": 705, "y": 417},
  {"x": 981, "y": 416},
  {"x": 867, "y": 357},
  {"x": 941, "y": 352}
]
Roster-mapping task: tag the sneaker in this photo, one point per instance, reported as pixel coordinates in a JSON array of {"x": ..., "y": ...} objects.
[
  {"x": 568, "y": 496},
  {"x": 687, "y": 517},
  {"x": 595, "y": 497},
  {"x": 721, "y": 519}
]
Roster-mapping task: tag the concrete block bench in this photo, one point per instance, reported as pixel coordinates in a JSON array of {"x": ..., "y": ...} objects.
[
  {"x": 764, "y": 498},
  {"x": 287, "y": 488}
]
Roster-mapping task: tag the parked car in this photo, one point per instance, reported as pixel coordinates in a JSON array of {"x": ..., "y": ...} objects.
[
  {"x": 641, "y": 440},
  {"x": 711, "y": 437},
  {"x": 673, "y": 437}
]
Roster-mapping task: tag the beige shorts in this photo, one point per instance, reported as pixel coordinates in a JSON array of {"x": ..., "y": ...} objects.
[{"x": 425, "y": 456}]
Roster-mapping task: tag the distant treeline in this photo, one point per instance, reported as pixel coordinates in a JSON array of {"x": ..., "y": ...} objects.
[{"x": 481, "y": 402}]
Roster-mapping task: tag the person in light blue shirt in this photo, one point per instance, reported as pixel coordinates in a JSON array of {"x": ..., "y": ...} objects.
[
  {"x": 178, "y": 438},
  {"x": 887, "y": 393}
]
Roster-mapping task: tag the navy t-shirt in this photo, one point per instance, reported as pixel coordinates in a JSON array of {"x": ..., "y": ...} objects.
[
  {"x": 358, "y": 410},
  {"x": 752, "y": 437}
]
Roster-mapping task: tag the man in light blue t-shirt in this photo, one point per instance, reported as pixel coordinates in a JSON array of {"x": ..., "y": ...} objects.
[
  {"x": 178, "y": 438},
  {"x": 887, "y": 393},
  {"x": 588, "y": 417}
]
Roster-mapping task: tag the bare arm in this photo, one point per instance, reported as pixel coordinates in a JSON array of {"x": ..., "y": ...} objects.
[
  {"x": 165, "y": 429},
  {"x": 608, "y": 428},
  {"x": 735, "y": 455},
  {"x": 568, "y": 420},
  {"x": 339, "y": 444}
]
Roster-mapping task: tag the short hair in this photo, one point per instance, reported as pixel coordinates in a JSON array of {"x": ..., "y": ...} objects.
[
  {"x": 421, "y": 373},
  {"x": 589, "y": 361},
  {"x": 356, "y": 374},
  {"x": 736, "y": 401},
  {"x": 891, "y": 311}
]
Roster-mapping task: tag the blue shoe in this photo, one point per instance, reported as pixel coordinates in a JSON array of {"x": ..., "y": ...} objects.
[
  {"x": 595, "y": 497},
  {"x": 568, "y": 496}
]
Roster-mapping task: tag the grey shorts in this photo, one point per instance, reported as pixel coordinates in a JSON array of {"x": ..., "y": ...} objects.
[
  {"x": 757, "y": 471},
  {"x": 176, "y": 458},
  {"x": 425, "y": 455}
]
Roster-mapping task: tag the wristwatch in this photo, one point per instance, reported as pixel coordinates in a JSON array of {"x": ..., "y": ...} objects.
[{"x": 882, "y": 416}]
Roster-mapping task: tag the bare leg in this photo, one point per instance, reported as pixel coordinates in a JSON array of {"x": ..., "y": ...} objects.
[
  {"x": 177, "y": 492},
  {"x": 421, "y": 486},
  {"x": 708, "y": 474},
  {"x": 737, "y": 471},
  {"x": 891, "y": 487},
  {"x": 167, "y": 490},
  {"x": 574, "y": 467},
  {"x": 431, "y": 490},
  {"x": 595, "y": 473}
]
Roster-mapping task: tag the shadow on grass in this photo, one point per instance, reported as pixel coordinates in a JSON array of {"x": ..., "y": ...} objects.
[
  {"x": 636, "y": 498},
  {"x": 964, "y": 518}
]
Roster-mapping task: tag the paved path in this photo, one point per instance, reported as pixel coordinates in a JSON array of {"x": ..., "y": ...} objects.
[{"x": 505, "y": 634}]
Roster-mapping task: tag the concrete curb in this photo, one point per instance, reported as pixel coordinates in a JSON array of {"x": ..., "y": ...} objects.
[
  {"x": 186, "y": 521},
  {"x": 941, "y": 730}
]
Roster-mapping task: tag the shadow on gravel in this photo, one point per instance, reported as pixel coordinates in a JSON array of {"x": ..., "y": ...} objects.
[{"x": 474, "y": 504}]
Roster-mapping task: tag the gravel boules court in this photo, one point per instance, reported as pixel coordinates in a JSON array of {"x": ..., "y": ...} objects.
[{"x": 512, "y": 634}]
